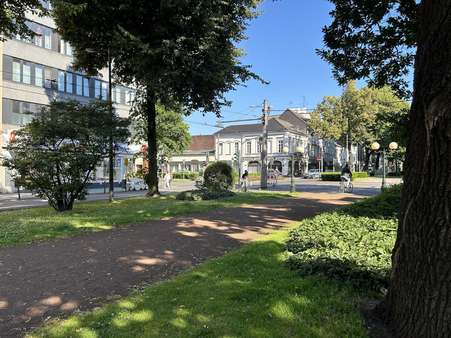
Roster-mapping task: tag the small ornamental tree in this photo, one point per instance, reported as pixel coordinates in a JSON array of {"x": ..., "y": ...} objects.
[{"x": 56, "y": 153}]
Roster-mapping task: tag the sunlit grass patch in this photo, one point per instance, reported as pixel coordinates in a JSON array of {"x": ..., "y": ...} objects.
[
  {"x": 42, "y": 223},
  {"x": 247, "y": 293}
]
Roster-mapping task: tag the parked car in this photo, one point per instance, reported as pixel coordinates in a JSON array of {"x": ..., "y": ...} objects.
[
  {"x": 313, "y": 174},
  {"x": 136, "y": 184}
]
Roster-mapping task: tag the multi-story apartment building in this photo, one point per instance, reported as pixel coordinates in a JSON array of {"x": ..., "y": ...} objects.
[
  {"x": 36, "y": 71},
  {"x": 288, "y": 130}
]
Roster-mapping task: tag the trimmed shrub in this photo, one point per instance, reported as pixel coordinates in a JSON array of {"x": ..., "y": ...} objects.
[
  {"x": 218, "y": 176},
  {"x": 352, "y": 245},
  {"x": 336, "y": 176}
]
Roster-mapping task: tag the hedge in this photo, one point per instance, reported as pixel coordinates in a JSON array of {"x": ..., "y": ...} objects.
[
  {"x": 185, "y": 175},
  {"x": 336, "y": 176},
  {"x": 352, "y": 245}
]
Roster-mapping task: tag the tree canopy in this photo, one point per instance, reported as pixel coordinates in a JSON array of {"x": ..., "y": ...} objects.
[
  {"x": 372, "y": 39},
  {"x": 55, "y": 154},
  {"x": 173, "y": 51},
  {"x": 12, "y": 17},
  {"x": 173, "y": 135}
]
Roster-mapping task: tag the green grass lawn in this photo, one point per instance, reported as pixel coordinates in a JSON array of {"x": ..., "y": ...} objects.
[
  {"x": 247, "y": 293},
  {"x": 34, "y": 224}
]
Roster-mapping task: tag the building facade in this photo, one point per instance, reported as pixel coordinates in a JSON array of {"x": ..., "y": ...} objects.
[
  {"x": 37, "y": 71},
  {"x": 197, "y": 157},
  {"x": 240, "y": 145}
]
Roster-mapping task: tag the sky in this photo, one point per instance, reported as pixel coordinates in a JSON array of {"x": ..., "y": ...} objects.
[{"x": 281, "y": 49}]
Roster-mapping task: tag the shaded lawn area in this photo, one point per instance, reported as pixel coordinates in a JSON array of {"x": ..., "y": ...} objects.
[
  {"x": 34, "y": 224},
  {"x": 247, "y": 293}
]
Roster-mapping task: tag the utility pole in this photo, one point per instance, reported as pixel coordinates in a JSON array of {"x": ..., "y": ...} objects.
[
  {"x": 111, "y": 141},
  {"x": 264, "y": 146}
]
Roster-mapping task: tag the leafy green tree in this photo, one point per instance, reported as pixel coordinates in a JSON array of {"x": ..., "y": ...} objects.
[
  {"x": 183, "y": 51},
  {"x": 12, "y": 17},
  {"x": 377, "y": 40},
  {"x": 360, "y": 116},
  {"x": 56, "y": 153},
  {"x": 173, "y": 135}
]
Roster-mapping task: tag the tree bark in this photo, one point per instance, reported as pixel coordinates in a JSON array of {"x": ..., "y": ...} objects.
[
  {"x": 418, "y": 303},
  {"x": 152, "y": 175}
]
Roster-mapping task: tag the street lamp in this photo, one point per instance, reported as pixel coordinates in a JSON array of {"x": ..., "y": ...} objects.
[
  {"x": 299, "y": 150},
  {"x": 391, "y": 147}
]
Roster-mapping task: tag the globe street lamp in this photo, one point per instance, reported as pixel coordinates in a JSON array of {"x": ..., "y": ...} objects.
[
  {"x": 391, "y": 147},
  {"x": 299, "y": 150}
]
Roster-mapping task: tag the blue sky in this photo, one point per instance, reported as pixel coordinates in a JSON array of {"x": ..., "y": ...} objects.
[{"x": 281, "y": 49}]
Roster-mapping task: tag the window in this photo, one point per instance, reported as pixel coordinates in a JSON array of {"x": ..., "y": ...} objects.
[
  {"x": 117, "y": 95},
  {"x": 86, "y": 87},
  {"x": 38, "y": 37},
  {"x": 220, "y": 151},
  {"x": 249, "y": 147},
  {"x": 61, "y": 81},
  {"x": 130, "y": 97},
  {"x": 48, "y": 78},
  {"x": 259, "y": 147},
  {"x": 16, "y": 71},
  {"x": 69, "y": 83},
  {"x": 97, "y": 93},
  {"x": 48, "y": 38},
  {"x": 26, "y": 74},
  {"x": 228, "y": 148},
  {"x": 68, "y": 49},
  {"x": 269, "y": 147},
  {"x": 104, "y": 91},
  {"x": 79, "y": 85},
  {"x": 280, "y": 146},
  {"x": 237, "y": 147},
  {"x": 62, "y": 46},
  {"x": 38, "y": 76}
]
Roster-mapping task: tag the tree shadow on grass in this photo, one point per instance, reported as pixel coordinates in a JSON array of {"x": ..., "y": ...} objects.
[{"x": 248, "y": 293}]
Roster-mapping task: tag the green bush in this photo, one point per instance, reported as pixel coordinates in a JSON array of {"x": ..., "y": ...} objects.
[
  {"x": 185, "y": 175},
  {"x": 218, "y": 177},
  {"x": 336, "y": 176},
  {"x": 352, "y": 245}
]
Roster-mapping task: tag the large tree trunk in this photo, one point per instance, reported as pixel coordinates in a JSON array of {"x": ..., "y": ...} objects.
[
  {"x": 419, "y": 298},
  {"x": 152, "y": 175}
]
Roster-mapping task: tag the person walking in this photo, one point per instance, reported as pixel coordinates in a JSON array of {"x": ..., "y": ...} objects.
[
  {"x": 245, "y": 181},
  {"x": 167, "y": 180}
]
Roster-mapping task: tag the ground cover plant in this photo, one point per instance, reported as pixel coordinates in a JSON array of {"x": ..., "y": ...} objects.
[
  {"x": 352, "y": 245},
  {"x": 28, "y": 225},
  {"x": 247, "y": 293}
]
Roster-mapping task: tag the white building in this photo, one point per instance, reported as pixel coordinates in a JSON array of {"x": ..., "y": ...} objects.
[
  {"x": 37, "y": 71},
  {"x": 196, "y": 158},
  {"x": 241, "y": 144}
]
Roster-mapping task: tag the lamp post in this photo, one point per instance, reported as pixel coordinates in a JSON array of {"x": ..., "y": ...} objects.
[
  {"x": 375, "y": 146},
  {"x": 299, "y": 150}
]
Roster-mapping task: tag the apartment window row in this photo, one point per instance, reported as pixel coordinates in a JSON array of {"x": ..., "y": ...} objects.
[
  {"x": 63, "y": 81},
  {"x": 46, "y": 38},
  {"x": 19, "y": 113}
]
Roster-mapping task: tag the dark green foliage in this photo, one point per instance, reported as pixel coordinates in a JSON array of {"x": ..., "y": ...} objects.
[
  {"x": 336, "y": 176},
  {"x": 218, "y": 176},
  {"x": 353, "y": 244},
  {"x": 12, "y": 17},
  {"x": 373, "y": 39},
  {"x": 185, "y": 175},
  {"x": 55, "y": 154}
]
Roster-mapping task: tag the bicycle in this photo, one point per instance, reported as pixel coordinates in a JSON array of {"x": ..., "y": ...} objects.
[{"x": 347, "y": 187}]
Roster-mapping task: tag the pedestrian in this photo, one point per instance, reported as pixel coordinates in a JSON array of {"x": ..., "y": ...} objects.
[
  {"x": 167, "y": 180},
  {"x": 245, "y": 181}
]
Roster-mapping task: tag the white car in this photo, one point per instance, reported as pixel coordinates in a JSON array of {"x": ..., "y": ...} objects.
[
  {"x": 136, "y": 184},
  {"x": 313, "y": 174}
]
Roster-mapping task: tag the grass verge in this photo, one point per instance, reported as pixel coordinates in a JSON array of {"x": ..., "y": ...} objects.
[
  {"x": 42, "y": 223},
  {"x": 247, "y": 293}
]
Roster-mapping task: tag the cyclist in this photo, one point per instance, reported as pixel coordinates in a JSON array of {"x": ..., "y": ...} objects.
[{"x": 346, "y": 175}]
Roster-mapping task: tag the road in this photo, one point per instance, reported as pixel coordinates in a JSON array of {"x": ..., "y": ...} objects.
[{"x": 365, "y": 187}]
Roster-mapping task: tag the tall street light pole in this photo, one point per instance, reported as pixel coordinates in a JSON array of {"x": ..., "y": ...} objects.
[
  {"x": 391, "y": 147},
  {"x": 264, "y": 147}
]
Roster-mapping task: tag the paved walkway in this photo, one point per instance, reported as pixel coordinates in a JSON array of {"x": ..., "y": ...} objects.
[{"x": 44, "y": 280}]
